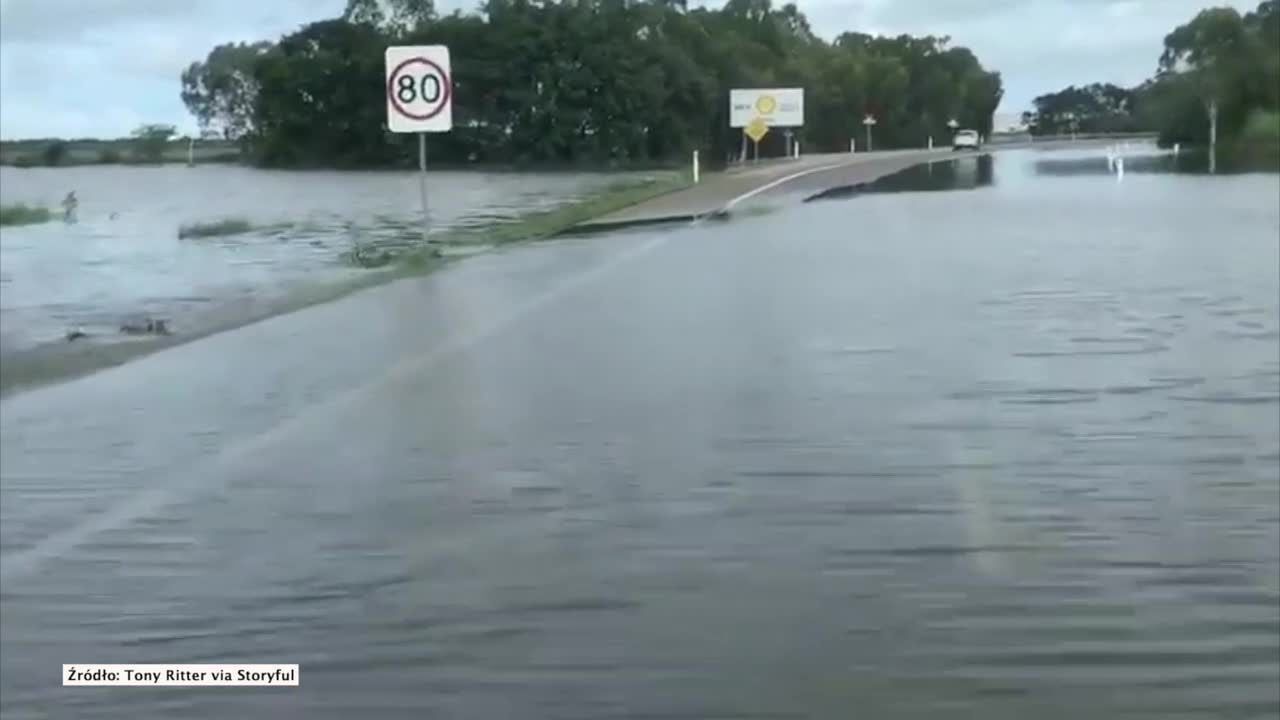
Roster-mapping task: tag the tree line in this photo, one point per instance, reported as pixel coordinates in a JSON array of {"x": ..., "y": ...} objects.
[
  {"x": 1220, "y": 63},
  {"x": 148, "y": 144},
  {"x": 600, "y": 82}
]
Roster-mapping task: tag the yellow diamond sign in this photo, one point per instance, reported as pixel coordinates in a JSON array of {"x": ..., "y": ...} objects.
[{"x": 756, "y": 129}]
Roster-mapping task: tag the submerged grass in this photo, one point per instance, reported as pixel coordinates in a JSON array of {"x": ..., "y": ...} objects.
[
  {"x": 217, "y": 228},
  {"x": 58, "y": 362},
  {"x": 19, "y": 214},
  {"x": 534, "y": 225}
]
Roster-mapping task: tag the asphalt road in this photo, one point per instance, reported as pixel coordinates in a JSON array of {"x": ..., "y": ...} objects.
[{"x": 878, "y": 454}]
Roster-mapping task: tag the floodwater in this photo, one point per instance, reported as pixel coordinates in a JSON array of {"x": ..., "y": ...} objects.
[
  {"x": 1007, "y": 451},
  {"x": 122, "y": 259}
]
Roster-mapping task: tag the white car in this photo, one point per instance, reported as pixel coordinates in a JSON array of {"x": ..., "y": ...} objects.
[{"x": 966, "y": 140}]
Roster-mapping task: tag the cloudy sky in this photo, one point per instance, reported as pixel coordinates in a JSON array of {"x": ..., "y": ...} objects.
[{"x": 99, "y": 68}]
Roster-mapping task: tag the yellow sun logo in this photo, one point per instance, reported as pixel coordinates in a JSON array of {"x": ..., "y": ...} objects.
[{"x": 766, "y": 105}]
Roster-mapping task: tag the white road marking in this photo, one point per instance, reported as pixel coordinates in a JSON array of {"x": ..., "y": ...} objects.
[{"x": 854, "y": 160}]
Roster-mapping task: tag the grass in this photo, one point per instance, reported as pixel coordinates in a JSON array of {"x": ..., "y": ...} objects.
[
  {"x": 217, "y": 228},
  {"x": 534, "y": 225},
  {"x": 542, "y": 224},
  {"x": 62, "y": 361},
  {"x": 20, "y": 214}
]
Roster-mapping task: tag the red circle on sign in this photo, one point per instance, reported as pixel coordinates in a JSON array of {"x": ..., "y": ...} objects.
[{"x": 446, "y": 89}]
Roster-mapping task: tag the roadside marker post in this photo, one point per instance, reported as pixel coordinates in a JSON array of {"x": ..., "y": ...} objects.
[{"x": 419, "y": 88}]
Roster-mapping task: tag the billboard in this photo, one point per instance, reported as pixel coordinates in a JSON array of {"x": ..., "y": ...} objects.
[{"x": 777, "y": 107}]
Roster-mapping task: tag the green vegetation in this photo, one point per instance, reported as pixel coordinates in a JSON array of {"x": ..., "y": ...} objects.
[
  {"x": 221, "y": 90},
  {"x": 536, "y": 225},
  {"x": 20, "y": 214},
  {"x": 54, "y": 153},
  {"x": 542, "y": 224},
  {"x": 151, "y": 142},
  {"x": 1220, "y": 66},
  {"x": 217, "y": 228},
  {"x": 33, "y": 153},
  {"x": 585, "y": 83},
  {"x": 1263, "y": 126}
]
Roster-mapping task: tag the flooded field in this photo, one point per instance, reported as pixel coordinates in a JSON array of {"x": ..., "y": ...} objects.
[{"x": 123, "y": 259}]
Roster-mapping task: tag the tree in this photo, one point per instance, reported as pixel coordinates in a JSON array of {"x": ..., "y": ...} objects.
[
  {"x": 54, "y": 153},
  {"x": 607, "y": 82},
  {"x": 1095, "y": 108},
  {"x": 394, "y": 17},
  {"x": 1217, "y": 73},
  {"x": 150, "y": 141},
  {"x": 1214, "y": 51},
  {"x": 321, "y": 99},
  {"x": 222, "y": 90}
]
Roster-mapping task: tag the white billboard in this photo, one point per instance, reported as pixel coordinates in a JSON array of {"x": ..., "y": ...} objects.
[{"x": 777, "y": 107}]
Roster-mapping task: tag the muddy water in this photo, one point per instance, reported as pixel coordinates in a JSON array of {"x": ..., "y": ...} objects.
[{"x": 1005, "y": 451}]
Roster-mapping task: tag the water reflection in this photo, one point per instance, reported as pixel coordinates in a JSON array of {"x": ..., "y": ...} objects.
[
  {"x": 965, "y": 173},
  {"x": 1159, "y": 162},
  {"x": 928, "y": 460}
]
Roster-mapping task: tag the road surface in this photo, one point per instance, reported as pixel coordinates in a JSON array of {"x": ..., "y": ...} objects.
[{"x": 881, "y": 454}]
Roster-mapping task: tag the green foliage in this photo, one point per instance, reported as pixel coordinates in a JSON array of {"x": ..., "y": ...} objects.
[
  {"x": 1263, "y": 126},
  {"x": 390, "y": 16},
  {"x": 590, "y": 82},
  {"x": 20, "y": 214},
  {"x": 1219, "y": 60},
  {"x": 55, "y": 153},
  {"x": 150, "y": 141},
  {"x": 109, "y": 156},
  {"x": 217, "y": 228},
  {"x": 1096, "y": 108},
  {"x": 220, "y": 92}
]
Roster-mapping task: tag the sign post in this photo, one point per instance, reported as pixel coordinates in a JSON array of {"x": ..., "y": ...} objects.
[
  {"x": 419, "y": 100},
  {"x": 756, "y": 130},
  {"x": 869, "y": 121},
  {"x": 757, "y": 110}
]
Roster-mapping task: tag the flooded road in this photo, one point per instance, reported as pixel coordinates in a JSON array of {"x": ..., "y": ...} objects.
[
  {"x": 123, "y": 257},
  {"x": 1006, "y": 451}
]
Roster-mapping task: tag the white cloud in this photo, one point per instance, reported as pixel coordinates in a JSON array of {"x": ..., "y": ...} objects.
[{"x": 101, "y": 67}]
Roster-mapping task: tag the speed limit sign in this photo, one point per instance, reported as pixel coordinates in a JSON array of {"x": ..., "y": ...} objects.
[{"x": 419, "y": 89}]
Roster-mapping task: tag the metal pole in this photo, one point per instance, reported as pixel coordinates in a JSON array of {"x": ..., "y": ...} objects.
[
  {"x": 1213, "y": 136},
  {"x": 868, "y": 137},
  {"x": 695, "y": 167},
  {"x": 755, "y": 151},
  {"x": 422, "y": 182}
]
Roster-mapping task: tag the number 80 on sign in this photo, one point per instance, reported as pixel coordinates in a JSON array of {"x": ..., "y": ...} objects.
[{"x": 419, "y": 89}]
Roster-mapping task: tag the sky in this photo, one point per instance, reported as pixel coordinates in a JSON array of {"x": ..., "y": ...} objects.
[{"x": 99, "y": 68}]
